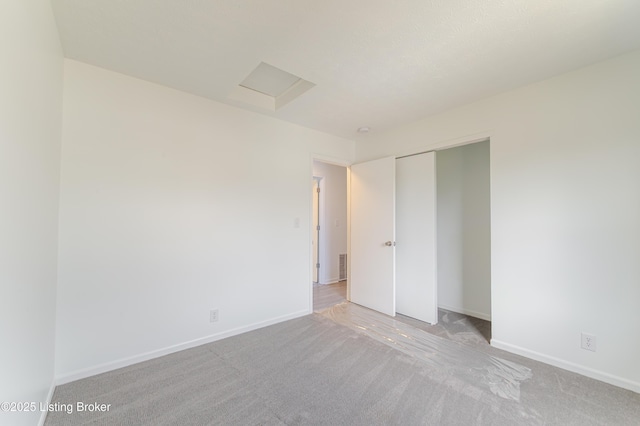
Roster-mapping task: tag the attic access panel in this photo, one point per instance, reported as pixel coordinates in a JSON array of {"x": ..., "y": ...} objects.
[{"x": 270, "y": 88}]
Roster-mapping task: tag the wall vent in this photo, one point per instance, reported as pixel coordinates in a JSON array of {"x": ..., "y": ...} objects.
[{"x": 343, "y": 267}]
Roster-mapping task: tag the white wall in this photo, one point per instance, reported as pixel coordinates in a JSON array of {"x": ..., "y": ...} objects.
[
  {"x": 565, "y": 204},
  {"x": 30, "y": 125},
  {"x": 333, "y": 219},
  {"x": 464, "y": 223},
  {"x": 172, "y": 205}
]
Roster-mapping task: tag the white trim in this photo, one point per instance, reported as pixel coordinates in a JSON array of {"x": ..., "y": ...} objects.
[
  {"x": 310, "y": 230},
  {"x": 329, "y": 160},
  {"x": 320, "y": 241},
  {"x": 349, "y": 233},
  {"x": 43, "y": 414},
  {"x": 466, "y": 312},
  {"x": 330, "y": 281},
  {"x": 570, "y": 366},
  {"x": 445, "y": 144},
  {"x": 124, "y": 362}
]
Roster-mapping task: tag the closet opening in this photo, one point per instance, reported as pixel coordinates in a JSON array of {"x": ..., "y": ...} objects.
[{"x": 464, "y": 241}]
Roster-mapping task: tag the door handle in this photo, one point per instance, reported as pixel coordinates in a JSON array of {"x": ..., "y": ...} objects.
[{"x": 390, "y": 243}]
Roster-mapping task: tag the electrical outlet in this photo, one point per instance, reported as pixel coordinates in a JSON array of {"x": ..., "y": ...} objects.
[
  {"x": 589, "y": 342},
  {"x": 213, "y": 315}
]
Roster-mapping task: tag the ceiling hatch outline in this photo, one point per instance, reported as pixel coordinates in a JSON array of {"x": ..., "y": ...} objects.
[{"x": 270, "y": 88}]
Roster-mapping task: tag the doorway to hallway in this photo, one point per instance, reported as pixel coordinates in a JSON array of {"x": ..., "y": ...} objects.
[{"x": 329, "y": 229}]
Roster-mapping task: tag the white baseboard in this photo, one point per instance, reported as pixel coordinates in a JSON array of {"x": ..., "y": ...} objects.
[
  {"x": 466, "y": 312},
  {"x": 124, "y": 362},
  {"x": 570, "y": 366},
  {"x": 43, "y": 414},
  {"x": 330, "y": 281}
]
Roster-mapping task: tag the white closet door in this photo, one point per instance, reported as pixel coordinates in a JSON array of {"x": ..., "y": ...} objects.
[
  {"x": 416, "y": 250},
  {"x": 372, "y": 235}
]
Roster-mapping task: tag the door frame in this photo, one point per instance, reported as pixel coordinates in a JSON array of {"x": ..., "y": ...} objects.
[
  {"x": 336, "y": 162},
  {"x": 457, "y": 143},
  {"x": 318, "y": 233}
]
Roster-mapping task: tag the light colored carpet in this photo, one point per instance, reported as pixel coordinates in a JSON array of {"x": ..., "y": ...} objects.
[
  {"x": 470, "y": 366},
  {"x": 312, "y": 370}
]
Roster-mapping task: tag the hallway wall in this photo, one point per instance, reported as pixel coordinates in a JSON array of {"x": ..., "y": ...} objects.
[{"x": 333, "y": 219}]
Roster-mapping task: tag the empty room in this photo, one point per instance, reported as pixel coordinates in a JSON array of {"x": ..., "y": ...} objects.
[{"x": 473, "y": 258}]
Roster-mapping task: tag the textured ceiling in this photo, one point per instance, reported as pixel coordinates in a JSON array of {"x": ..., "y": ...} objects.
[{"x": 376, "y": 63}]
